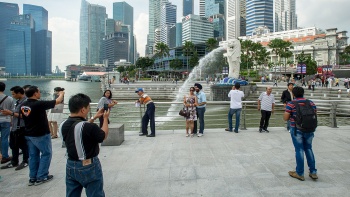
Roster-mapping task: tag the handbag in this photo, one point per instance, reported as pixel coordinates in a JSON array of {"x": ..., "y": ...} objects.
[{"x": 184, "y": 113}]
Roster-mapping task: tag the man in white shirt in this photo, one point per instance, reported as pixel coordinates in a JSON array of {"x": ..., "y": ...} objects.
[
  {"x": 267, "y": 102},
  {"x": 329, "y": 82},
  {"x": 235, "y": 106}
]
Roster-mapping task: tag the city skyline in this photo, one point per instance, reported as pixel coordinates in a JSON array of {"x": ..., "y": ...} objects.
[{"x": 65, "y": 25}]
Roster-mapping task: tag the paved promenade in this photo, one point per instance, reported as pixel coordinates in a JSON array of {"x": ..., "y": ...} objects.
[{"x": 218, "y": 164}]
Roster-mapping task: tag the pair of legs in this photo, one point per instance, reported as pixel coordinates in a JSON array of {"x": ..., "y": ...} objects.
[
  {"x": 238, "y": 115},
  {"x": 149, "y": 116},
  {"x": 303, "y": 144},
  {"x": 265, "y": 117},
  {"x": 40, "y": 155},
  {"x": 189, "y": 127},
  {"x": 53, "y": 126},
  {"x": 18, "y": 141},
  {"x": 5, "y": 132}
]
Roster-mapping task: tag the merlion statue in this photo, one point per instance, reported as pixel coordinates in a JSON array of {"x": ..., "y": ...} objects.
[{"x": 233, "y": 47}]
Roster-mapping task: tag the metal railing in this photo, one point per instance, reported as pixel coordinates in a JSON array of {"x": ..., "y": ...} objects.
[{"x": 330, "y": 113}]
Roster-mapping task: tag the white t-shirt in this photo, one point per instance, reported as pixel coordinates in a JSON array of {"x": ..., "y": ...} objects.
[{"x": 236, "y": 99}]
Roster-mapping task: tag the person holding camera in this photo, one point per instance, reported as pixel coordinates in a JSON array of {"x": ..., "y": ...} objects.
[
  {"x": 105, "y": 103},
  {"x": 37, "y": 134},
  {"x": 54, "y": 116}
]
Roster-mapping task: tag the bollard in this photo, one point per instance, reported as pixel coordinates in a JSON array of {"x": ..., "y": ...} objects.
[
  {"x": 257, "y": 92},
  {"x": 276, "y": 93},
  {"x": 324, "y": 95},
  {"x": 338, "y": 95},
  {"x": 312, "y": 94}
]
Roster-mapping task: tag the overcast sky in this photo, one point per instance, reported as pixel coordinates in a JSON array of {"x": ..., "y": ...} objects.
[{"x": 64, "y": 21}]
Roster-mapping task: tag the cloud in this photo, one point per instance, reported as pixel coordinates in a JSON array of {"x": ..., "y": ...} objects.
[
  {"x": 65, "y": 42},
  {"x": 141, "y": 31}
]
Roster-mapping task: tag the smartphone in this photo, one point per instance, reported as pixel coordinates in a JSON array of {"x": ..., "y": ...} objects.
[{"x": 105, "y": 107}]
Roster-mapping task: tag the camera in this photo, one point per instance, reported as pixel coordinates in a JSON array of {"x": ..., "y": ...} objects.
[{"x": 105, "y": 107}]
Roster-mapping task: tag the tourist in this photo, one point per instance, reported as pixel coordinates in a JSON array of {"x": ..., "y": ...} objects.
[
  {"x": 149, "y": 115},
  {"x": 275, "y": 82},
  {"x": 348, "y": 91},
  {"x": 267, "y": 102},
  {"x": 190, "y": 103},
  {"x": 303, "y": 82},
  {"x": 106, "y": 99},
  {"x": 37, "y": 134},
  {"x": 313, "y": 83},
  {"x": 17, "y": 139},
  {"x": 82, "y": 138},
  {"x": 329, "y": 80},
  {"x": 202, "y": 101},
  {"x": 287, "y": 96},
  {"x": 337, "y": 82},
  {"x": 6, "y": 103},
  {"x": 236, "y": 96},
  {"x": 54, "y": 116},
  {"x": 302, "y": 141}
]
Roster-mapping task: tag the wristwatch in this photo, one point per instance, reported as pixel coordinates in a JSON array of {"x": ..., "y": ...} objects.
[
  {"x": 92, "y": 118},
  {"x": 13, "y": 113}
]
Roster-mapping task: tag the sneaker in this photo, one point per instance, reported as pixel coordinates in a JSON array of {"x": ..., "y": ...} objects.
[
  {"x": 267, "y": 131},
  {"x": 151, "y": 135},
  {"x": 187, "y": 135},
  {"x": 227, "y": 129},
  {"x": 21, "y": 166},
  {"x": 5, "y": 160},
  {"x": 313, "y": 176},
  {"x": 295, "y": 175},
  {"x": 260, "y": 130},
  {"x": 235, "y": 131},
  {"x": 8, "y": 166},
  {"x": 199, "y": 135},
  {"x": 142, "y": 134},
  {"x": 31, "y": 182},
  {"x": 47, "y": 179}
]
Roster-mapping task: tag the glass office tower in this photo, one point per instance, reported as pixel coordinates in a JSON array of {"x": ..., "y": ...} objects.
[
  {"x": 39, "y": 15},
  {"x": 7, "y": 12},
  {"x": 187, "y": 7},
  {"x": 259, "y": 13},
  {"x": 123, "y": 12}
]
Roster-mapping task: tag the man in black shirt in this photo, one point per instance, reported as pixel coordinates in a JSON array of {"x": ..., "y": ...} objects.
[
  {"x": 287, "y": 96},
  {"x": 82, "y": 140},
  {"x": 37, "y": 134}
]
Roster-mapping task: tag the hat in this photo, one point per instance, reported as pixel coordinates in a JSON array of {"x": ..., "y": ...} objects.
[
  {"x": 199, "y": 86},
  {"x": 139, "y": 90}
]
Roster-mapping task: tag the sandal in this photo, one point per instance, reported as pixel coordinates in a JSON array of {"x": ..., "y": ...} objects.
[{"x": 187, "y": 135}]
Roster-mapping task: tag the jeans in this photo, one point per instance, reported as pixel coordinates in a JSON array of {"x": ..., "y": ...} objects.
[
  {"x": 89, "y": 177},
  {"x": 303, "y": 144},
  {"x": 265, "y": 117},
  {"x": 40, "y": 154},
  {"x": 5, "y": 132},
  {"x": 149, "y": 117},
  {"x": 18, "y": 141},
  {"x": 201, "y": 112},
  {"x": 230, "y": 114}
]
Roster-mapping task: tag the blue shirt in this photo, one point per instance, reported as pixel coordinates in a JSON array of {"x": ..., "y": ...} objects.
[{"x": 201, "y": 98}]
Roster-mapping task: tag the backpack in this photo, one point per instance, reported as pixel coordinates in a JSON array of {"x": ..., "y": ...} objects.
[{"x": 306, "y": 117}]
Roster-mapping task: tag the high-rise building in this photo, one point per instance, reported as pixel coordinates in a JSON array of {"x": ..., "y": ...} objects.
[
  {"x": 172, "y": 37},
  {"x": 92, "y": 31},
  {"x": 243, "y": 17},
  {"x": 153, "y": 23},
  {"x": 178, "y": 34},
  {"x": 43, "y": 39},
  {"x": 215, "y": 12},
  {"x": 233, "y": 16},
  {"x": 259, "y": 13},
  {"x": 285, "y": 15},
  {"x": 202, "y": 8},
  {"x": 187, "y": 7},
  {"x": 110, "y": 26},
  {"x": 167, "y": 20},
  {"x": 115, "y": 47},
  {"x": 196, "y": 29},
  {"x": 20, "y": 45},
  {"x": 124, "y": 12},
  {"x": 7, "y": 12}
]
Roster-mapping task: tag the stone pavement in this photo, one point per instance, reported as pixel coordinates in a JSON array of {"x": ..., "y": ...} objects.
[{"x": 218, "y": 164}]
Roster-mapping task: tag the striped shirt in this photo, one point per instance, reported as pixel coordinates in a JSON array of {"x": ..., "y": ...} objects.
[
  {"x": 266, "y": 101},
  {"x": 145, "y": 99},
  {"x": 291, "y": 109}
]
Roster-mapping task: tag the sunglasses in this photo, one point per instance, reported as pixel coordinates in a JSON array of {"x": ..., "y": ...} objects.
[{"x": 191, "y": 90}]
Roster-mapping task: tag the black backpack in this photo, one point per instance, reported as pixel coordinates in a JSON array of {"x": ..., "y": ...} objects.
[{"x": 306, "y": 117}]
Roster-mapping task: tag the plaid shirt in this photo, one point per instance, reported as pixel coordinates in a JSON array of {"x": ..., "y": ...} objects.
[{"x": 290, "y": 108}]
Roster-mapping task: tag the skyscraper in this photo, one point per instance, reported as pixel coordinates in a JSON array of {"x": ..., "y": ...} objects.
[
  {"x": 259, "y": 13},
  {"x": 285, "y": 16},
  {"x": 43, "y": 39},
  {"x": 178, "y": 34},
  {"x": 92, "y": 30},
  {"x": 215, "y": 12},
  {"x": 124, "y": 12},
  {"x": 243, "y": 17},
  {"x": 20, "y": 45},
  {"x": 153, "y": 23},
  {"x": 202, "y": 8},
  {"x": 187, "y": 7},
  {"x": 232, "y": 19},
  {"x": 196, "y": 29},
  {"x": 167, "y": 20},
  {"x": 7, "y": 12}
]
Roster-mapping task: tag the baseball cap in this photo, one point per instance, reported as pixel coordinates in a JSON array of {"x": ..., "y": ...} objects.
[{"x": 139, "y": 90}]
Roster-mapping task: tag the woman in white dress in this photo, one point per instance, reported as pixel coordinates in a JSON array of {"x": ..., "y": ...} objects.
[{"x": 54, "y": 116}]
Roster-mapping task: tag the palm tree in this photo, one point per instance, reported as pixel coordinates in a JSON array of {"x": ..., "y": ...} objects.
[
  {"x": 187, "y": 49},
  {"x": 246, "y": 47},
  {"x": 211, "y": 44},
  {"x": 162, "y": 50}
]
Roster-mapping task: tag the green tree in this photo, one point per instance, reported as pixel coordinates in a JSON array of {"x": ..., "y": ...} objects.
[
  {"x": 176, "y": 64},
  {"x": 345, "y": 56},
  {"x": 311, "y": 66},
  {"x": 120, "y": 69},
  {"x": 162, "y": 50},
  {"x": 211, "y": 44},
  {"x": 194, "y": 60},
  {"x": 144, "y": 62},
  {"x": 188, "y": 49}
]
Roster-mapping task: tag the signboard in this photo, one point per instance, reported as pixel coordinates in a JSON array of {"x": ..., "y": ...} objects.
[
  {"x": 301, "y": 68},
  {"x": 225, "y": 70}
]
